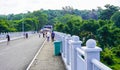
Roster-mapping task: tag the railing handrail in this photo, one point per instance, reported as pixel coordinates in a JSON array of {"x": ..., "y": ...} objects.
[
  {"x": 13, "y": 34},
  {"x": 100, "y": 65},
  {"x": 80, "y": 51}
]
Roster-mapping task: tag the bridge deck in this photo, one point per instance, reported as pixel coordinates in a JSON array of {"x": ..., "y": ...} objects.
[{"x": 46, "y": 59}]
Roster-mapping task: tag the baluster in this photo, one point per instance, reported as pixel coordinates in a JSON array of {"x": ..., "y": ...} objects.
[
  {"x": 74, "y": 44},
  {"x": 91, "y": 51}
]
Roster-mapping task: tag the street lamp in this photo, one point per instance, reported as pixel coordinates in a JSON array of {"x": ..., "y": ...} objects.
[{"x": 23, "y": 22}]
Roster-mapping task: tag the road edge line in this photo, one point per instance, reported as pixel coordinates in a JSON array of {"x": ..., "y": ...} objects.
[{"x": 35, "y": 55}]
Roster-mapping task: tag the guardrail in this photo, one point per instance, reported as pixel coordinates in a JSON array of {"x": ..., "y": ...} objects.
[
  {"x": 14, "y": 34},
  {"x": 77, "y": 57}
]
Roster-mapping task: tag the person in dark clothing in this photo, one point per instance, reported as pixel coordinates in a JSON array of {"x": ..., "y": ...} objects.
[
  {"x": 52, "y": 35},
  {"x": 43, "y": 34},
  {"x": 8, "y": 38},
  {"x": 26, "y": 35}
]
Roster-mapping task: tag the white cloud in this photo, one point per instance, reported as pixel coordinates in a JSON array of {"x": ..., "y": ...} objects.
[
  {"x": 91, "y": 4},
  {"x": 18, "y": 6}
]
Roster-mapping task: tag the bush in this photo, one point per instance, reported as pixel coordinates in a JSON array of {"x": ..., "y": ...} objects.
[
  {"x": 116, "y": 51},
  {"x": 107, "y": 56}
]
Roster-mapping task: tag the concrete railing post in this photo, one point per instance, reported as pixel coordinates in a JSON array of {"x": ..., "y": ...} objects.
[
  {"x": 74, "y": 43},
  {"x": 91, "y": 51},
  {"x": 67, "y": 48},
  {"x": 63, "y": 45},
  {"x": 66, "y": 45}
]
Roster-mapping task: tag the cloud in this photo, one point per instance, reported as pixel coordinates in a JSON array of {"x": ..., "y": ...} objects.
[{"x": 18, "y": 6}]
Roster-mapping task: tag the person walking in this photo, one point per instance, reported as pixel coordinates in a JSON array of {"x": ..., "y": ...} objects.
[
  {"x": 26, "y": 35},
  {"x": 8, "y": 38},
  {"x": 43, "y": 34},
  {"x": 39, "y": 34},
  {"x": 52, "y": 36},
  {"x": 48, "y": 36}
]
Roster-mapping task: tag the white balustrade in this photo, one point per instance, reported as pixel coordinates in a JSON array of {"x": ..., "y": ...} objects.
[
  {"x": 68, "y": 49},
  {"x": 75, "y": 43},
  {"x": 97, "y": 65},
  {"x": 76, "y": 57},
  {"x": 13, "y": 34},
  {"x": 63, "y": 45}
]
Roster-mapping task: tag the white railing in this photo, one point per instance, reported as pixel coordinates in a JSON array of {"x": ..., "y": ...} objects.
[
  {"x": 76, "y": 57},
  {"x": 98, "y": 65},
  {"x": 13, "y": 34}
]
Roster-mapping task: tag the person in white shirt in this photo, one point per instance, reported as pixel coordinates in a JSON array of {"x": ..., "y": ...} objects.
[{"x": 48, "y": 36}]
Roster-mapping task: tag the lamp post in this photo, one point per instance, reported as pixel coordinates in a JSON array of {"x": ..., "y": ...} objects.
[
  {"x": 23, "y": 30},
  {"x": 23, "y": 24}
]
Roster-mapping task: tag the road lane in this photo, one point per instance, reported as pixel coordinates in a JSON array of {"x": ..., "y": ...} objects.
[{"x": 19, "y": 53}]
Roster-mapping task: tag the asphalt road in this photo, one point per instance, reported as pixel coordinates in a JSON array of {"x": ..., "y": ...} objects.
[{"x": 19, "y": 53}]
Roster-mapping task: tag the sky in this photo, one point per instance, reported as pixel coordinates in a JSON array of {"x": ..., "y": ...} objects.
[{"x": 22, "y": 6}]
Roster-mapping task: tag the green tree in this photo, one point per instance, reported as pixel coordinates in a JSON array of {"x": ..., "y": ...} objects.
[
  {"x": 41, "y": 17},
  {"x": 108, "y": 35},
  {"x": 2, "y": 17},
  {"x": 74, "y": 25},
  {"x": 69, "y": 24},
  {"x": 107, "y": 56},
  {"x": 59, "y": 27},
  {"x": 29, "y": 24},
  {"x": 3, "y": 26},
  {"x": 116, "y": 19},
  {"x": 108, "y": 12}
]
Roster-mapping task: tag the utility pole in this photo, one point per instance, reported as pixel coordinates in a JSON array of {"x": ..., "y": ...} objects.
[{"x": 23, "y": 24}]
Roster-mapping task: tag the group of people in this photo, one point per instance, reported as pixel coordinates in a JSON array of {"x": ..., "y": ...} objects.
[
  {"x": 48, "y": 35},
  {"x": 45, "y": 34}
]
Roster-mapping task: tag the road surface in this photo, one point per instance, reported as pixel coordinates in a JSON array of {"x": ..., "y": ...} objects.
[{"x": 19, "y": 53}]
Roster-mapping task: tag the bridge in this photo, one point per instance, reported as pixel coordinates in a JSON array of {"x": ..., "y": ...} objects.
[{"x": 35, "y": 53}]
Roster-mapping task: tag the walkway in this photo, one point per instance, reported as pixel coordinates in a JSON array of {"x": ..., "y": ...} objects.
[{"x": 46, "y": 59}]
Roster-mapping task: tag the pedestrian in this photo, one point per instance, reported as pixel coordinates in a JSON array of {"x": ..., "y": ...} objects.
[
  {"x": 8, "y": 38},
  {"x": 52, "y": 36},
  {"x": 43, "y": 34},
  {"x": 26, "y": 35},
  {"x": 39, "y": 34},
  {"x": 48, "y": 36}
]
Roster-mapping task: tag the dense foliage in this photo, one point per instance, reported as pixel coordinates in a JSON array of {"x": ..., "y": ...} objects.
[{"x": 30, "y": 20}]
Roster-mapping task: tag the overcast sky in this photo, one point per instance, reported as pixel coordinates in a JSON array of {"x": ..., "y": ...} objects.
[{"x": 18, "y": 6}]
